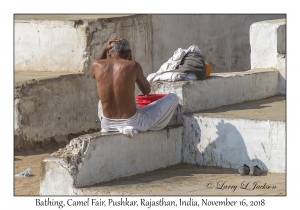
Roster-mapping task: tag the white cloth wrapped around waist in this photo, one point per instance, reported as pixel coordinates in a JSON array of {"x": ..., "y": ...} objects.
[{"x": 154, "y": 116}]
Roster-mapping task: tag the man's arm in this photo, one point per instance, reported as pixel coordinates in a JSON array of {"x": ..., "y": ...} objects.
[
  {"x": 108, "y": 47},
  {"x": 141, "y": 80}
]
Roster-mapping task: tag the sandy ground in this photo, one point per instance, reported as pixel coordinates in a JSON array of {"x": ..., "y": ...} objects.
[
  {"x": 30, "y": 185},
  {"x": 179, "y": 179}
]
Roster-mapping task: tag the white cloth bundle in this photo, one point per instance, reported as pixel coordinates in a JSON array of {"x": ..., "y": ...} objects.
[{"x": 171, "y": 64}]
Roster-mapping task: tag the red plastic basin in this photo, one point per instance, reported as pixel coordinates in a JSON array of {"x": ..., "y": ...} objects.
[{"x": 143, "y": 100}]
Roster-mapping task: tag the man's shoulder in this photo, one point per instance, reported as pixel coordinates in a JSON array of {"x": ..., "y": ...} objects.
[
  {"x": 99, "y": 62},
  {"x": 132, "y": 63}
]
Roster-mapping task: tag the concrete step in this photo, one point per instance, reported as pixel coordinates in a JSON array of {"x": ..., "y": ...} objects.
[
  {"x": 53, "y": 106},
  {"x": 248, "y": 133},
  {"x": 221, "y": 89},
  {"x": 189, "y": 180},
  {"x": 101, "y": 157},
  {"x": 268, "y": 48}
]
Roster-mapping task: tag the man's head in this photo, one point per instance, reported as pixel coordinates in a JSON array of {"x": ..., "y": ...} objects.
[{"x": 122, "y": 48}]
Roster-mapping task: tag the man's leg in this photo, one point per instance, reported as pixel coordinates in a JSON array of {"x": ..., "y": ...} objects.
[{"x": 158, "y": 114}]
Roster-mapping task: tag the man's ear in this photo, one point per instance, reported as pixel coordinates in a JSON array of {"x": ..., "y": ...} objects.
[{"x": 108, "y": 54}]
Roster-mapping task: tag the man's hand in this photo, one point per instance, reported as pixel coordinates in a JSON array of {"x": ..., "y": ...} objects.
[
  {"x": 108, "y": 46},
  {"x": 111, "y": 40}
]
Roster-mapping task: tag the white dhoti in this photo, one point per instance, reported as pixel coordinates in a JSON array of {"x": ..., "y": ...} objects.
[{"x": 154, "y": 116}]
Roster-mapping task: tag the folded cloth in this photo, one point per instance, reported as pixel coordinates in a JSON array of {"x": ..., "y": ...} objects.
[
  {"x": 154, "y": 116},
  {"x": 193, "y": 63},
  {"x": 173, "y": 62},
  {"x": 175, "y": 76}
]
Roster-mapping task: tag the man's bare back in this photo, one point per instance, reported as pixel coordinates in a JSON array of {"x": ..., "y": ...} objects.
[{"x": 116, "y": 75}]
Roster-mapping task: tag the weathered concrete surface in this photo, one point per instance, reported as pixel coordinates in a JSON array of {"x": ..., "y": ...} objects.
[
  {"x": 26, "y": 76},
  {"x": 281, "y": 65},
  {"x": 268, "y": 48},
  {"x": 50, "y": 45},
  {"x": 77, "y": 40},
  {"x": 136, "y": 29},
  {"x": 101, "y": 157},
  {"x": 223, "y": 39},
  {"x": 249, "y": 133},
  {"x": 221, "y": 89},
  {"x": 53, "y": 106},
  {"x": 190, "y": 180}
]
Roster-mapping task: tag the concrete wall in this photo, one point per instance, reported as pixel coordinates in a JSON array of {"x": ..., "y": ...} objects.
[
  {"x": 223, "y": 39},
  {"x": 268, "y": 48},
  {"x": 65, "y": 45},
  {"x": 54, "y": 108},
  {"x": 50, "y": 45},
  {"x": 231, "y": 143}
]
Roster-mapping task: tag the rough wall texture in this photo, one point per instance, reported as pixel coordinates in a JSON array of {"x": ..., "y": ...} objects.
[
  {"x": 50, "y": 45},
  {"x": 223, "y": 39},
  {"x": 46, "y": 110},
  {"x": 136, "y": 29},
  {"x": 65, "y": 45},
  {"x": 230, "y": 143},
  {"x": 54, "y": 109}
]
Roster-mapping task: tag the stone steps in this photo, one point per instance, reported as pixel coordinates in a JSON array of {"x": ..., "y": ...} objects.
[
  {"x": 247, "y": 133},
  {"x": 46, "y": 102},
  {"x": 251, "y": 133},
  {"x": 222, "y": 89},
  {"x": 44, "y": 107},
  {"x": 53, "y": 106},
  {"x": 99, "y": 157},
  {"x": 213, "y": 133}
]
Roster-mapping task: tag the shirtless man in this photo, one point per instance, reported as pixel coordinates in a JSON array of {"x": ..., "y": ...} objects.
[{"x": 116, "y": 74}]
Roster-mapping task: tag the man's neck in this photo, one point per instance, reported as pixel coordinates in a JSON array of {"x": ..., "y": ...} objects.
[{"x": 116, "y": 56}]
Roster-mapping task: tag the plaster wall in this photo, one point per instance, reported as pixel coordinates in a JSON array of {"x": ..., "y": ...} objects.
[
  {"x": 50, "y": 45},
  {"x": 231, "y": 143},
  {"x": 268, "y": 48},
  {"x": 223, "y": 39},
  {"x": 267, "y": 39},
  {"x": 71, "y": 45}
]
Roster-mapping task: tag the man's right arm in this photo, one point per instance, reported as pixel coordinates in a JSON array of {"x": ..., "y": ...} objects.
[
  {"x": 141, "y": 80},
  {"x": 108, "y": 46}
]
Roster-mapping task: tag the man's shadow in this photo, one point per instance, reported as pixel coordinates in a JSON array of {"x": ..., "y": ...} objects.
[{"x": 228, "y": 150}]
